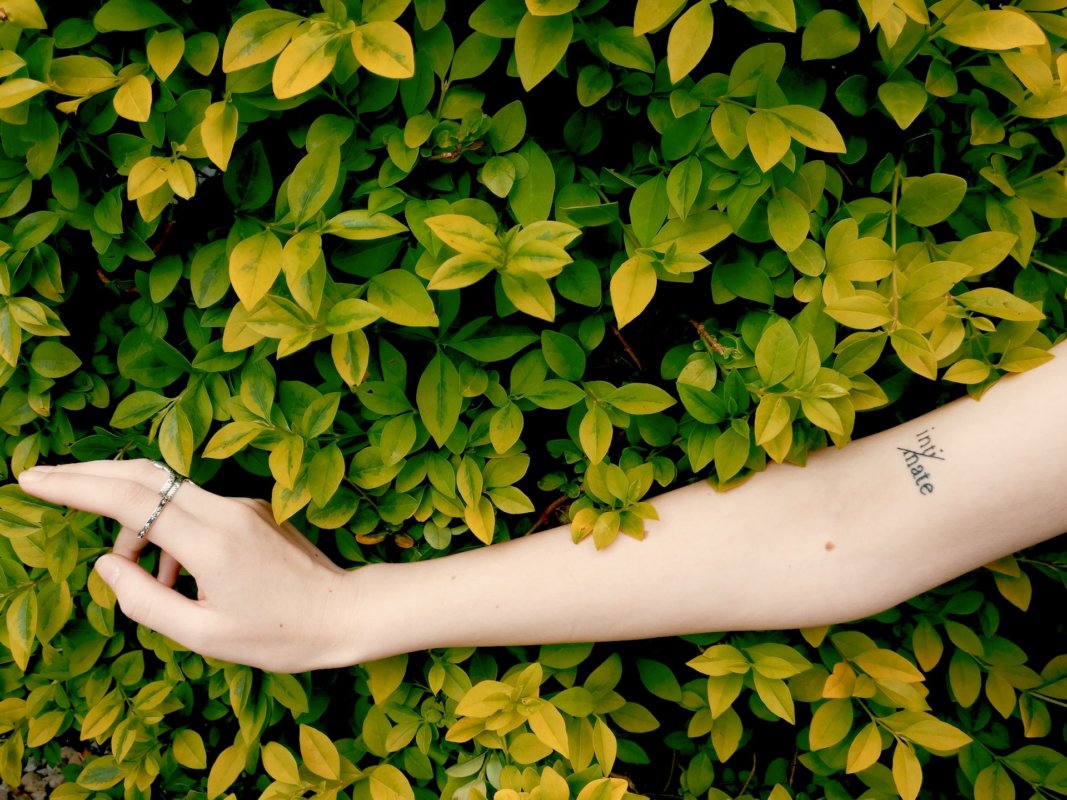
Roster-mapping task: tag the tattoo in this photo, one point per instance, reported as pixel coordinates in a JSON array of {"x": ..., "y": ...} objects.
[{"x": 914, "y": 460}]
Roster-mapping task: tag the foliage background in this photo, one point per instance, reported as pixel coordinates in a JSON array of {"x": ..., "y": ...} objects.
[{"x": 370, "y": 258}]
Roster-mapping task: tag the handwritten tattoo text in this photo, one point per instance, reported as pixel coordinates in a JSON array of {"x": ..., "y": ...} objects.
[{"x": 917, "y": 460}]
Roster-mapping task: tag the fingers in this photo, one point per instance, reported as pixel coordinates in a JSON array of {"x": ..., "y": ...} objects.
[
  {"x": 169, "y": 567},
  {"x": 145, "y": 600}
]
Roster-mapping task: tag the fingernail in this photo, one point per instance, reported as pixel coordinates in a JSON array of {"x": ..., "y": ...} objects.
[
  {"x": 108, "y": 570},
  {"x": 33, "y": 474}
]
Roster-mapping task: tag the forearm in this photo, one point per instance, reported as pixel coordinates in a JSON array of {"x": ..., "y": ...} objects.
[{"x": 855, "y": 531}]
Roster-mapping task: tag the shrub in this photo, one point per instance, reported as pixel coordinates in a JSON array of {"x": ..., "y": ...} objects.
[{"x": 437, "y": 277}]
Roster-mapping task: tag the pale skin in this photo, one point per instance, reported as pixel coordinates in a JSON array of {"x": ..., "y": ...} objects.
[{"x": 852, "y": 533}]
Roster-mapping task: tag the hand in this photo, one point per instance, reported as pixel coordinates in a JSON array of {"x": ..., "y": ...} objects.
[{"x": 267, "y": 596}]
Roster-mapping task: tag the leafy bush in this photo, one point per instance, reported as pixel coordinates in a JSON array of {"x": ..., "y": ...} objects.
[{"x": 435, "y": 277}]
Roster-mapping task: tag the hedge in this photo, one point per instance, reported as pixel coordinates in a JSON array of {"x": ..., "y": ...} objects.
[{"x": 432, "y": 278}]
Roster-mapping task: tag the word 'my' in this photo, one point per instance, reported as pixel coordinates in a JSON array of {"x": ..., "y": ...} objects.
[{"x": 916, "y": 460}]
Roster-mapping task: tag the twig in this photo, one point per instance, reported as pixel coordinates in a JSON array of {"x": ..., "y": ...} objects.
[
  {"x": 626, "y": 347},
  {"x": 546, "y": 515},
  {"x": 748, "y": 780},
  {"x": 709, "y": 340}
]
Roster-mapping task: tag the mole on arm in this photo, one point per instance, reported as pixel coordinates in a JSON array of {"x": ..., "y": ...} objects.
[{"x": 829, "y": 546}]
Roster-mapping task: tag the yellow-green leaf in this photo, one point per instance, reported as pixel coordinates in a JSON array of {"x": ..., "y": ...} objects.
[
  {"x": 999, "y": 29},
  {"x": 218, "y": 132},
  {"x": 768, "y": 138},
  {"x": 165, "y": 50},
  {"x": 255, "y": 263},
  {"x": 999, "y": 303},
  {"x": 689, "y": 39},
  {"x": 384, "y": 48},
  {"x": 258, "y": 37},
  {"x": 16, "y": 90},
  {"x": 21, "y": 621},
  {"x": 907, "y": 772},
  {"x": 319, "y": 753},
  {"x": 188, "y": 749},
  {"x": 229, "y": 764},
  {"x": 540, "y": 43},
  {"x": 632, "y": 288},
  {"x": 305, "y": 62},
  {"x": 811, "y": 128}
]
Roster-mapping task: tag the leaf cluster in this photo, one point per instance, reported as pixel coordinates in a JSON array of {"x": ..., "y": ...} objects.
[{"x": 436, "y": 275}]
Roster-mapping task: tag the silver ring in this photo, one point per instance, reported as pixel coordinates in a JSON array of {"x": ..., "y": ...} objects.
[{"x": 170, "y": 488}]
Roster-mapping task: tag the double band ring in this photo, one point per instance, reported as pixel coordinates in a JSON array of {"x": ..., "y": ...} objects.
[{"x": 170, "y": 488}]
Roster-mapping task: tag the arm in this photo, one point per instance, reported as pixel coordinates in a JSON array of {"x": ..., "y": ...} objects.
[{"x": 852, "y": 533}]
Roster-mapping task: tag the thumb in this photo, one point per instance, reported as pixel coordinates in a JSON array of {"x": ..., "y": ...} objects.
[{"x": 145, "y": 600}]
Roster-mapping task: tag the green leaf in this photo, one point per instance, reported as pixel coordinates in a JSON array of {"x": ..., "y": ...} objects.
[
  {"x": 904, "y": 100},
  {"x": 565, "y": 356},
  {"x": 683, "y": 185},
  {"x": 129, "y": 15},
  {"x": 1001, "y": 29},
  {"x": 776, "y": 353},
  {"x": 101, "y": 773},
  {"x": 54, "y": 360},
  {"x": 931, "y": 199},
  {"x": 438, "y": 398},
  {"x": 638, "y": 398},
  {"x": 829, "y": 34},
  {"x": 402, "y": 299},
  {"x": 540, "y": 43},
  {"x": 788, "y": 222},
  {"x": 731, "y": 453},
  {"x": 594, "y": 434},
  {"x": 136, "y": 407}
]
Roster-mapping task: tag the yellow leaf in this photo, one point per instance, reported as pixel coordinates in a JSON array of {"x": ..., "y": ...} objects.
[
  {"x": 147, "y": 175},
  {"x": 811, "y": 128},
  {"x": 887, "y": 665},
  {"x": 775, "y": 695},
  {"x": 388, "y": 783},
  {"x": 540, "y": 43},
  {"x": 182, "y": 178},
  {"x": 280, "y": 764},
  {"x": 24, "y": 14},
  {"x": 632, "y": 288},
  {"x": 651, "y": 15},
  {"x": 305, "y": 62},
  {"x": 188, "y": 749},
  {"x": 907, "y": 772},
  {"x": 385, "y": 49},
  {"x": 385, "y": 676},
  {"x": 994, "y": 30},
  {"x": 768, "y": 139},
  {"x": 257, "y": 37},
  {"x": 689, "y": 39},
  {"x": 133, "y": 100},
  {"x": 830, "y": 723},
  {"x": 319, "y": 753},
  {"x": 254, "y": 265},
  {"x": 547, "y": 725},
  {"x": 865, "y": 749},
  {"x": 218, "y": 132},
  {"x": 165, "y": 50},
  {"x": 229, "y": 764},
  {"x": 16, "y": 90},
  {"x": 465, "y": 234},
  {"x": 22, "y": 627}
]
